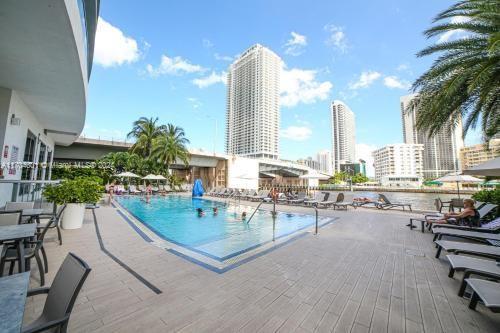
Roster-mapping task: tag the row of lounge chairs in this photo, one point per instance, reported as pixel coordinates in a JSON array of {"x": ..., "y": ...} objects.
[
  {"x": 320, "y": 199},
  {"x": 477, "y": 255}
]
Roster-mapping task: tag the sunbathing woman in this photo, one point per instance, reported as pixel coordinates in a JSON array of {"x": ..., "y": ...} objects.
[{"x": 469, "y": 216}]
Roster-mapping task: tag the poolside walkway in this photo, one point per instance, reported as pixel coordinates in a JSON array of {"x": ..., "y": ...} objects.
[{"x": 366, "y": 272}]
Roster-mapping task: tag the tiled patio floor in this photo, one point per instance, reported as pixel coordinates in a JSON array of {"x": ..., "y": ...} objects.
[{"x": 366, "y": 272}]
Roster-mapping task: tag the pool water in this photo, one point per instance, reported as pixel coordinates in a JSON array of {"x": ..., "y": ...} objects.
[{"x": 220, "y": 236}]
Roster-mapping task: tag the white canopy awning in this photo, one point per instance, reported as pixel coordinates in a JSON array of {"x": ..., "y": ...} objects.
[
  {"x": 154, "y": 177},
  {"x": 315, "y": 175}
]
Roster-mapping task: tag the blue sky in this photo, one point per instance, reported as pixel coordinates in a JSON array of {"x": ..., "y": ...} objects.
[{"x": 167, "y": 59}]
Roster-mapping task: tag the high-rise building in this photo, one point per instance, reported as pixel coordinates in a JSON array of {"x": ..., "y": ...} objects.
[
  {"x": 473, "y": 155},
  {"x": 324, "y": 159},
  {"x": 310, "y": 162},
  {"x": 398, "y": 164},
  {"x": 253, "y": 104},
  {"x": 343, "y": 134},
  {"x": 441, "y": 151}
]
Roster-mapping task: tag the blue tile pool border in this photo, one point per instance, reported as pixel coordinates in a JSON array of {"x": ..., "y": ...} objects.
[
  {"x": 219, "y": 259},
  {"x": 237, "y": 264}
]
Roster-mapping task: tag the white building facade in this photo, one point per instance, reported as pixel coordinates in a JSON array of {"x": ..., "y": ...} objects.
[
  {"x": 253, "y": 104},
  {"x": 343, "y": 134},
  {"x": 399, "y": 165},
  {"x": 45, "y": 64},
  {"x": 324, "y": 159},
  {"x": 441, "y": 151}
]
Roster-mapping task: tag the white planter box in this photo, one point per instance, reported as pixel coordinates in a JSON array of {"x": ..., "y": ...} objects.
[{"x": 73, "y": 216}]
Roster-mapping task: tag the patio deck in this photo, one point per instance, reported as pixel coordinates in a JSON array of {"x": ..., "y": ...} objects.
[{"x": 366, "y": 272}]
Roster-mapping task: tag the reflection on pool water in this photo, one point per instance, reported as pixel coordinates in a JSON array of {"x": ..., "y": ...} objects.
[{"x": 219, "y": 236}]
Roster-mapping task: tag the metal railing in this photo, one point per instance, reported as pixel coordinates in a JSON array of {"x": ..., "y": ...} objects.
[
  {"x": 273, "y": 214},
  {"x": 25, "y": 190}
]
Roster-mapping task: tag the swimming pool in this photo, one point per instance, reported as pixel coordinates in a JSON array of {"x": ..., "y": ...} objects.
[{"x": 219, "y": 237}]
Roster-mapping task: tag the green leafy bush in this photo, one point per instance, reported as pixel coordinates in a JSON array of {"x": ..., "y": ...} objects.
[
  {"x": 491, "y": 196},
  {"x": 78, "y": 190}
]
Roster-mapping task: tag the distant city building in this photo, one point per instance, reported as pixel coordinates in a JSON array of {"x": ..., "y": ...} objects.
[
  {"x": 399, "y": 165},
  {"x": 351, "y": 168},
  {"x": 253, "y": 104},
  {"x": 343, "y": 134},
  {"x": 441, "y": 151},
  {"x": 310, "y": 162},
  {"x": 324, "y": 159},
  {"x": 477, "y": 154}
]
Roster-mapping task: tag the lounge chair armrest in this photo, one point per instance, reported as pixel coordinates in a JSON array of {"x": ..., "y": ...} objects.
[
  {"x": 47, "y": 325},
  {"x": 468, "y": 273},
  {"x": 38, "y": 291}
]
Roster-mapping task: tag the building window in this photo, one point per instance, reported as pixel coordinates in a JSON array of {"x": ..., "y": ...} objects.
[{"x": 29, "y": 157}]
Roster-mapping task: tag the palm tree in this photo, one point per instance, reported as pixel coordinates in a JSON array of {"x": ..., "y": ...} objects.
[
  {"x": 464, "y": 81},
  {"x": 145, "y": 131},
  {"x": 171, "y": 146}
]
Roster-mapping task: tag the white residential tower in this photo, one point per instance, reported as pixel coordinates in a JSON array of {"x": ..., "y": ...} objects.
[
  {"x": 441, "y": 151},
  {"x": 343, "y": 134},
  {"x": 399, "y": 164},
  {"x": 253, "y": 104}
]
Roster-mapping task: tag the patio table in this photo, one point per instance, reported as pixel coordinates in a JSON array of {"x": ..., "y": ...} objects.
[
  {"x": 32, "y": 213},
  {"x": 18, "y": 233},
  {"x": 13, "y": 291}
]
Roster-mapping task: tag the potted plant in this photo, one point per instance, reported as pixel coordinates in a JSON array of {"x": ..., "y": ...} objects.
[{"x": 75, "y": 193}]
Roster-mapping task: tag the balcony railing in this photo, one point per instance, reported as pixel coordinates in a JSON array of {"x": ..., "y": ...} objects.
[{"x": 27, "y": 190}]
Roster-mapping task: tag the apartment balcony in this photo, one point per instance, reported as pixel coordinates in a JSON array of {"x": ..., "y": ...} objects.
[{"x": 46, "y": 58}]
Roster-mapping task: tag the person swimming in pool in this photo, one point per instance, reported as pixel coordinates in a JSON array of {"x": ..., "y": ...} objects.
[
  {"x": 200, "y": 212},
  {"x": 243, "y": 216},
  {"x": 216, "y": 210}
]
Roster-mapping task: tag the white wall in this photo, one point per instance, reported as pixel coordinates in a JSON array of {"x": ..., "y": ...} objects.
[
  {"x": 16, "y": 135},
  {"x": 243, "y": 173}
]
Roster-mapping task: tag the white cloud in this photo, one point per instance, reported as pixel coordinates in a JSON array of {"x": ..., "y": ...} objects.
[
  {"x": 394, "y": 82},
  {"x": 211, "y": 79},
  {"x": 222, "y": 57},
  {"x": 365, "y": 80},
  {"x": 403, "y": 67},
  {"x": 173, "y": 66},
  {"x": 301, "y": 86},
  {"x": 454, "y": 34},
  {"x": 336, "y": 38},
  {"x": 296, "y": 133},
  {"x": 112, "y": 47},
  {"x": 295, "y": 45},
  {"x": 195, "y": 103},
  {"x": 207, "y": 43},
  {"x": 364, "y": 152}
]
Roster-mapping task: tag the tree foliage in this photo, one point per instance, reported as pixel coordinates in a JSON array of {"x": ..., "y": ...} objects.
[{"x": 464, "y": 80}]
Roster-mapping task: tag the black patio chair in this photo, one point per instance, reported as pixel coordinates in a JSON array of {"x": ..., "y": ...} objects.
[
  {"x": 10, "y": 255},
  {"x": 56, "y": 218},
  {"x": 61, "y": 296}
]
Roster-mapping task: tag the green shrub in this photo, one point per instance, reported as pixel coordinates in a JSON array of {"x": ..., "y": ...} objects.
[
  {"x": 78, "y": 190},
  {"x": 491, "y": 196}
]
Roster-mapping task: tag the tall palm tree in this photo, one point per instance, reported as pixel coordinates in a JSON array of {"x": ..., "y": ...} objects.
[
  {"x": 171, "y": 146},
  {"x": 145, "y": 131},
  {"x": 464, "y": 81}
]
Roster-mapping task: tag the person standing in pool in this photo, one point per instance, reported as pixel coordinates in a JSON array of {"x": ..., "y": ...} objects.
[
  {"x": 243, "y": 216},
  {"x": 200, "y": 212},
  {"x": 216, "y": 211}
]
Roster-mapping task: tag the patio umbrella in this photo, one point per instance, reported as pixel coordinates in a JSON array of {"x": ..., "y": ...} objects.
[
  {"x": 490, "y": 168},
  {"x": 150, "y": 177},
  {"x": 457, "y": 178},
  {"x": 127, "y": 174}
]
